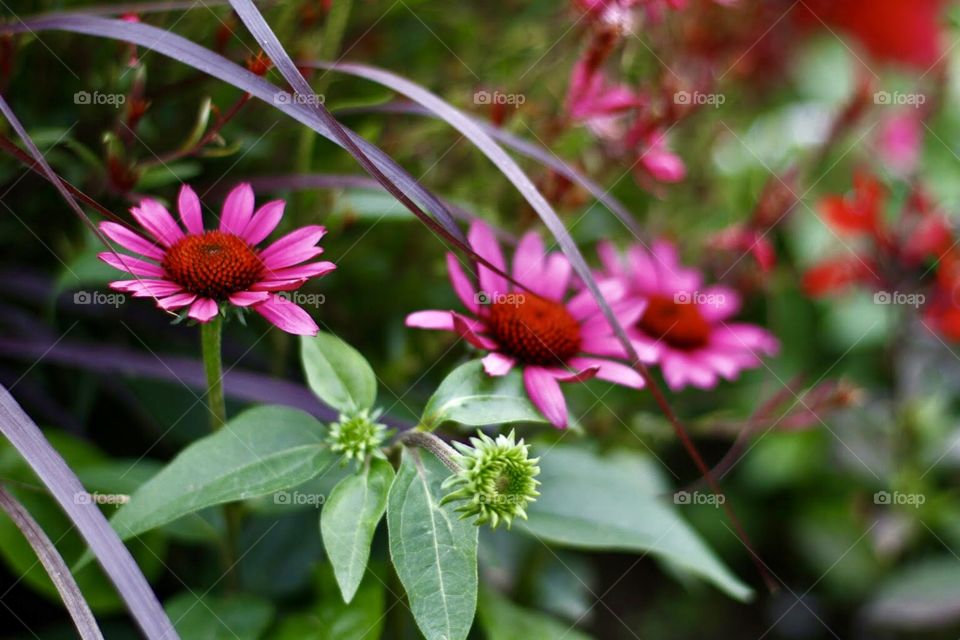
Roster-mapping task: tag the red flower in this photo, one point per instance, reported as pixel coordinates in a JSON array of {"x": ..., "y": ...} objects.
[
  {"x": 836, "y": 274},
  {"x": 902, "y": 31},
  {"x": 860, "y": 211}
]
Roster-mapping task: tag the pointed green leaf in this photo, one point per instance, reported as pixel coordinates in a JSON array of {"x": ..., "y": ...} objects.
[
  {"x": 616, "y": 502},
  {"x": 337, "y": 373},
  {"x": 238, "y": 617},
  {"x": 503, "y": 620},
  {"x": 349, "y": 520},
  {"x": 261, "y": 451},
  {"x": 433, "y": 551},
  {"x": 471, "y": 397}
]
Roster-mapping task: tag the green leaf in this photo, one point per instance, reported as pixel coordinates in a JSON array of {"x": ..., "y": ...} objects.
[
  {"x": 471, "y": 397},
  {"x": 349, "y": 520},
  {"x": 433, "y": 550},
  {"x": 616, "y": 502},
  {"x": 262, "y": 450},
  {"x": 922, "y": 595},
  {"x": 337, "y": 373},
  {"x": 333, "y": 619},
  {"x": 503, "y": 620},
  {"x": 239, "y": 617}
]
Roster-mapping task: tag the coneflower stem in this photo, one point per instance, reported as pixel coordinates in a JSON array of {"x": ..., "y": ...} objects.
[
  {"x": 210, "y": 340},
  {"x": 211, "y": 345}
]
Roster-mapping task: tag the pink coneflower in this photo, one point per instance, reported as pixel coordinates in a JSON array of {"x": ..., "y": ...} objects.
[
  {"x": 554, "y": 339},
  {"x": 684, "y": 326},
  {"x": 207, "y": 269}
]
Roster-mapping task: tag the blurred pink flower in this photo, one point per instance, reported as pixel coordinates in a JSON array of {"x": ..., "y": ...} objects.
[
  {"x": 660, "y": 162},
  {"x": 552, "y": 337},
  {"x": 684, "y": 326},
  {"x": 206, "y": 269},
  {"x": 591, "y": 95},
  {"x": 899, "y": 142}
]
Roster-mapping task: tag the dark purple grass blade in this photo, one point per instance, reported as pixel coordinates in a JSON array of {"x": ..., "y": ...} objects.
[
  {"x": 56, "y": 568},
  {"x": 524, "y": 147},
  {"x": 245, "y": 386},
  {"x": 64, "y": 486}
]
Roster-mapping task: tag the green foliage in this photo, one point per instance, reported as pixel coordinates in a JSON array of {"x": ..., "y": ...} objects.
[{"x": 337, "y": 373}]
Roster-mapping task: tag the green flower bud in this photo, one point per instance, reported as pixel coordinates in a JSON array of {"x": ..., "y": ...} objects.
[
  {"x": 358, "y": 435},
  {"x": 497, "y": 480}
]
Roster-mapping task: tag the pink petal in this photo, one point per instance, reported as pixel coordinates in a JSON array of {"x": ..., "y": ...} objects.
[
  {"x": 264, "y": 221},
  {"x": 247, "y": 298},
  {"x": 131, "y": 265},
  {"x": 615, "y": 372},
  {"x": 287, "y": 316},
  {"x": 556, "y": 277},
  {"x": 237, "y": 209},
  {"x": 178, "y": 301},
  {"x": 484, "y": 242},
  {"x": 602, "y": 345},
  {"x": 439, "y": 320},
  {"x": 293, "y": 248},
  {"x": 190, "y": 213},
  {"x": 583, "y": 305},
  {"x": 130, "y": 240},
  {"x": 278, "y": 285},
  {"x": 718, "y": 303},
  {"x": 155, "y": 218},
  {"x": 577, "y": 375},
  {"x": 203, "y": 309},
  {"x": 498, "y": 364},
  {"x": 610, "y": 258},
  {"x": 147, "y": 288},
  {"x": 302, "y": 272},
  {"x": 545, "y": 394},
  {"x": 462, "y": 285},
  {"x": 528, "y": 258},
  {"x": 468, "y": 329}
]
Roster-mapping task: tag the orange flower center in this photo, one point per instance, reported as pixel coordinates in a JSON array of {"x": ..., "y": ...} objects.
[
  {"x": 679, "y": 325},
  {"x": 213, "y": 264},
  {"x": 532, "y": 329}
]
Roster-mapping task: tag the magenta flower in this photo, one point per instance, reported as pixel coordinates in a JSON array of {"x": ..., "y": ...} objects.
[
  {"x": 554, "y": 339},
  {"x": 206, "y": 269},
  {"x": 684, "y": 326}
]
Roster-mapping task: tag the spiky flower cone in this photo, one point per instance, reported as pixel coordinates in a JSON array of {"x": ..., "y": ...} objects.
[
  {"x": 497, "y": 482},
  {"x": 357, "y": 436}
]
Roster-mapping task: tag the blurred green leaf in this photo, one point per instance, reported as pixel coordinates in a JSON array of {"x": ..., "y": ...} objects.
[
  {"x": 593, "y": 502},
  {"x": 503, "y": 620},
  {"x": 238, "y": 617}
]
